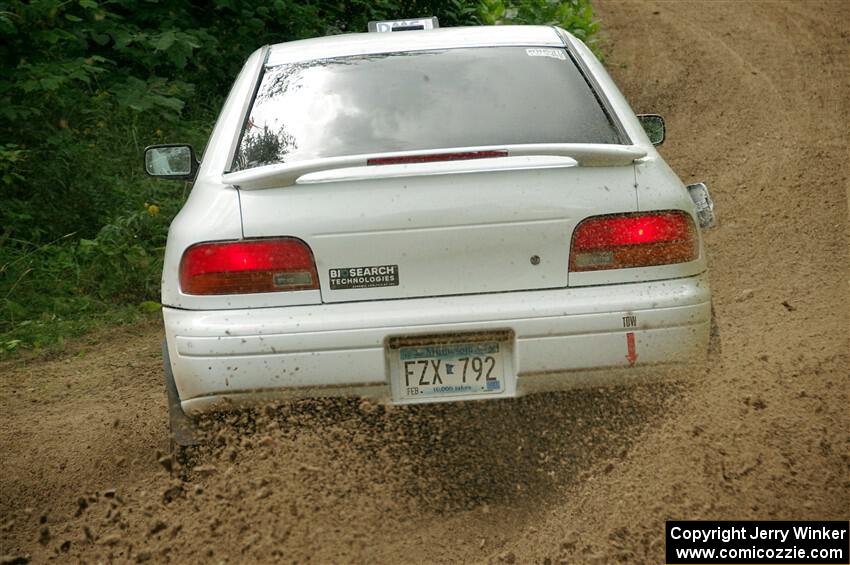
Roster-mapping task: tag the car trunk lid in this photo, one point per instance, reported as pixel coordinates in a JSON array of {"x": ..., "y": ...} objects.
[{"x": 436, "y": 229}]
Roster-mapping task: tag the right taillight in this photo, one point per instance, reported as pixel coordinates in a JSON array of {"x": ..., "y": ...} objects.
[
  {"x": 248, "y": 266},
  {"x": 624, "y": 241}
]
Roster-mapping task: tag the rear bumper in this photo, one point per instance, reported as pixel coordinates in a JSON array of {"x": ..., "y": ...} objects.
[{"x": 563, "y": 338}]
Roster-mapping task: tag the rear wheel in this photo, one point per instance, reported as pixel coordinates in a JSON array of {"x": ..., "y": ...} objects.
[
  {"x": 714, "y": 342},
  {"x": 183, "y": 436}
]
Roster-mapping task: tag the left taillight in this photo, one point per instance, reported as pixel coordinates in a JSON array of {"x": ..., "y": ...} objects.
[
  {"x": 623, "y": 241},
  {"x": 245, "y": 267}
]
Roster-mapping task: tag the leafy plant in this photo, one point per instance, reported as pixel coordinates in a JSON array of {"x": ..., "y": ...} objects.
[{"x": 575, "y": 16}]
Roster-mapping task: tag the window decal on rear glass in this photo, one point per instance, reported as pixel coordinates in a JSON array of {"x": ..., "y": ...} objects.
[
  {"x": 363, "y": 277},
  {"x": 553, "y": 53}
]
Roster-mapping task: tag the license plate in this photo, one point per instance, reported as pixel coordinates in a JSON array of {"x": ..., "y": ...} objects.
[{"x": 456, "y": 367}]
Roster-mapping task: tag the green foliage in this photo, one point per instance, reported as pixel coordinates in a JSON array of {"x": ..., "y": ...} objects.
[
  {"x": 119, "y": 261},
  {"x": 10, "y": 159},
  {"x": 87, "y": 84},
  {"x": 45, "y": 297},
  {"x": 575, "y": 16}
]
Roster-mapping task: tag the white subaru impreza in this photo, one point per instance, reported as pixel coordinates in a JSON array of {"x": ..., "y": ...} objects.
[{"x": 423, "y": 216}]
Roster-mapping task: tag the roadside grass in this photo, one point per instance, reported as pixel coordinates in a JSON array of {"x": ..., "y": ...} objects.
[{"x": 47, "y": 335}]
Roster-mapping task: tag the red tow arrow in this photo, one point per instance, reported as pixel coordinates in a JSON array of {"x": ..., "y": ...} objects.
[{"x": 630, "y": 342}]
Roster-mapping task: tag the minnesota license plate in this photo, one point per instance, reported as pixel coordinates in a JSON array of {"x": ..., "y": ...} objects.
[{"x": 456, "y": 367}]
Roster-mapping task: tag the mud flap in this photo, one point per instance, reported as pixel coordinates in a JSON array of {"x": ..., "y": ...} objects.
[
  {"x": 715, "y": 348},
  {"x": 182, "y": 427}
]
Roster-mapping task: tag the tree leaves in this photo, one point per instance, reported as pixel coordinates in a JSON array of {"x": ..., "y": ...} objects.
[
  {"x": 576, "y": 16},
  {"x": 153, "y": 94}
]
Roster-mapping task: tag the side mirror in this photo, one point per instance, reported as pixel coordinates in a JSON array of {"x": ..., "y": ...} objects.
[
  {"x": 653, "y": 125},
  {"x": 173, "y": 161}
]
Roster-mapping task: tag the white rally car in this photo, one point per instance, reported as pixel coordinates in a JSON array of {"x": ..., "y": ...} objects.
[{"x": 435, "y": 215}]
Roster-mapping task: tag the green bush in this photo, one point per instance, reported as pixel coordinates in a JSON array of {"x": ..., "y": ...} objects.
[
  {"x": 87, "y": 84},
  {"x": 576, "y": 16}
]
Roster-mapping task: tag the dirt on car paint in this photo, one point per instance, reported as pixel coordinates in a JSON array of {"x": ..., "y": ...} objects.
[{"x": 755, "y": 97}]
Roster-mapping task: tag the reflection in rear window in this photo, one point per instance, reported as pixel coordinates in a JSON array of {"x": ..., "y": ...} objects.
[{"x": 420, "y": 101}]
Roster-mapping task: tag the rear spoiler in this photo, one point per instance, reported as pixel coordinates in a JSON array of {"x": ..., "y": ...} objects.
[{"x": 287, "y": 174}]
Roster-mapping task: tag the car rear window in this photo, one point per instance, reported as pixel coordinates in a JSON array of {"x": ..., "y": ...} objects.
[{"x": 420, "y": 100}]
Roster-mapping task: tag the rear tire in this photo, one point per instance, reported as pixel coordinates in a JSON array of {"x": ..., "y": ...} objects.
[
  {"x": 715, "y": 347},
  {"x": 183, "y": 431}
]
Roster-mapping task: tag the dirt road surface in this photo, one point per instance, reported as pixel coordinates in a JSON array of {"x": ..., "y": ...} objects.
[{"x": 757, "y": 103}]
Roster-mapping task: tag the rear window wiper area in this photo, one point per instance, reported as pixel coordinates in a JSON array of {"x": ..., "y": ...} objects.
[{"x": 419, "y": 100}]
